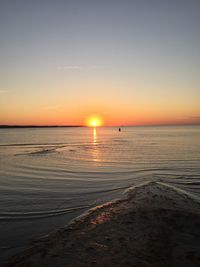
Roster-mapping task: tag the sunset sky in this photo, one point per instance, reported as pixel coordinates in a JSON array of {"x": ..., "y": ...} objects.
[{"x": 132, "y": 62}]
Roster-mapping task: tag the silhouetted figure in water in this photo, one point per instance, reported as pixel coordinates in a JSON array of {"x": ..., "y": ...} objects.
[{"x": 119, "y": 129}]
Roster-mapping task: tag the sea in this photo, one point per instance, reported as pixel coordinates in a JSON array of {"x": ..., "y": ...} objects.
[{"x": 49, "y": 176}]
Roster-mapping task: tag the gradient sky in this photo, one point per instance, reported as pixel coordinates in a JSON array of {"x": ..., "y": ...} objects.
[{"x": 130, "y": 61}]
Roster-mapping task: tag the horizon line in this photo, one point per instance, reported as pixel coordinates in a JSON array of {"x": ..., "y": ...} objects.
[{"x": 120, "y": 125}]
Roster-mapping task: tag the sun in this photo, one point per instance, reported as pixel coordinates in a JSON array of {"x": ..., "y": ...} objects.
[{"x": 94, "y": 121}]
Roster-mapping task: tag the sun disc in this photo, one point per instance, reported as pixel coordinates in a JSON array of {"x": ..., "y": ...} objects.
[{"x": 94, "y": 121}]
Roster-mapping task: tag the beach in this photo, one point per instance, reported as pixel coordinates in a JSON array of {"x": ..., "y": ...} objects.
[
  {"x": 99, "y": 133},
  {"x": 154, "y": 225}
]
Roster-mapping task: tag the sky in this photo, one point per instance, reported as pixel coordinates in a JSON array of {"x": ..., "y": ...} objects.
[{"x": 133, "y": 62}]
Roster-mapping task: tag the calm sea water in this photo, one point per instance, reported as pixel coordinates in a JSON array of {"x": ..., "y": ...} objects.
[{"x": 48, "y": 176}]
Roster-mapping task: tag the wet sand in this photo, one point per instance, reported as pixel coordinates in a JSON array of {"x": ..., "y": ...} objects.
[{"x": 155, "y": 225}]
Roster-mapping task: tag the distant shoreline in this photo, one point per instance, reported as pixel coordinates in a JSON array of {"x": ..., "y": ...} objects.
[
  {"x": 37, "y": 126},
  {"x": 76, "y": 126}
]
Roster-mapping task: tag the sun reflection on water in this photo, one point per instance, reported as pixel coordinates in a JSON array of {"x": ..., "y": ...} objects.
[
  {"x": 94, "y": 136},
  {"x": 95, "y": 149}
]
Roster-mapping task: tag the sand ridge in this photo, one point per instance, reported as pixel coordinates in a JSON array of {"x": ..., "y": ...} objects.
[{"x": 156, "y": 225}]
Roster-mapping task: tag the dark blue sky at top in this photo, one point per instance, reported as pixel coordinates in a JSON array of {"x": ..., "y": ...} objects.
[{"x": 80, "y": 27}]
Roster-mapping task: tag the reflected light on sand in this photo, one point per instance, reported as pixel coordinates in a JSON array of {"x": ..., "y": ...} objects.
[{"x": 101, "y": 218}]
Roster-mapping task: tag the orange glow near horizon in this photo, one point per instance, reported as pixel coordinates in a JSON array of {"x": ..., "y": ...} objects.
[{"x": 94, "y": 121}]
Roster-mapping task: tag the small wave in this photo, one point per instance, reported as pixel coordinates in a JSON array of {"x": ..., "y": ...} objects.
[
  {"x": 187, "y": 183},
  {"x": 39, "y": 214},
  {"x": 108, "y": 190},
  {"x": 42, "y": 150},
  {"x": 32, "y": 144},
  {"x": 118, "y": 140},
  {"x": 181, "y": 191}
]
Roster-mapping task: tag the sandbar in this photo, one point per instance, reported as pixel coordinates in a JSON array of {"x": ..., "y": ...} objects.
[{"x": 153, "y": 225}]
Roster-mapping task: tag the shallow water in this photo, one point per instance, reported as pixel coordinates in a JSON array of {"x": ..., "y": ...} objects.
[{"x": 48, "y": 176}]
